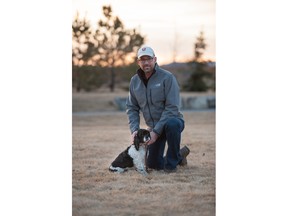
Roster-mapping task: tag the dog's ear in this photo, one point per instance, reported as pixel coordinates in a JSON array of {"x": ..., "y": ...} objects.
[{"x": 137, "y": 142}]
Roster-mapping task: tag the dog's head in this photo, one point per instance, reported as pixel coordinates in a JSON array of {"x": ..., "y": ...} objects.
[{"x": 142, "y": 136}]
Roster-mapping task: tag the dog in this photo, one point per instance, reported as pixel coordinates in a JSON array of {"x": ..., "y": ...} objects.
[{"x": 134, "y": 156}]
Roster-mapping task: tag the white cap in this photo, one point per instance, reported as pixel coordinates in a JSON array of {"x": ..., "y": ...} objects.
[{"x": 145, "y": 50}]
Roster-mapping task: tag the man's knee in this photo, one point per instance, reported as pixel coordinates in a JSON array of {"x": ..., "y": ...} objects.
[{"x": 173, "y": 124}]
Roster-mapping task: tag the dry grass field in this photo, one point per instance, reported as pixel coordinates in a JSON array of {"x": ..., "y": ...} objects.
[{"x": 98, "y": 137}]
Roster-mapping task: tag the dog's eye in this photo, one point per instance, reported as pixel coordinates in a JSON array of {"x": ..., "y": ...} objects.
[{"x": 146, "y": 138}]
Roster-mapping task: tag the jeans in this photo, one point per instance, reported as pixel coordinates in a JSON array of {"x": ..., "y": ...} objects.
[{"x": 172, "y": 134}]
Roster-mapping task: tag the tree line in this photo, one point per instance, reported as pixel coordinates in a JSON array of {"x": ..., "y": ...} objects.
[{"x": 99, "y": 55}]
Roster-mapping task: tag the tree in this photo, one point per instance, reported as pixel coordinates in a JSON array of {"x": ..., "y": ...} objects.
[
  {"x": 199, "y": 77},
  {"x": 83, "y": 46},
  {"x": 199, "y": 47},
  {"x": 116, "y": 45}
]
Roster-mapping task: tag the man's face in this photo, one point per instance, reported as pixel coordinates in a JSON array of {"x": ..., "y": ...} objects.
[{"x": 147, "y": 63}]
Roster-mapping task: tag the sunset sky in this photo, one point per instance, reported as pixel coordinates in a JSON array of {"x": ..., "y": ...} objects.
[{"x": 168, "y": 25}]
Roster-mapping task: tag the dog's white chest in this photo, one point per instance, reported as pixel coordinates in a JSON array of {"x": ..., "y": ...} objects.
[{"x": 138, "y": 157}]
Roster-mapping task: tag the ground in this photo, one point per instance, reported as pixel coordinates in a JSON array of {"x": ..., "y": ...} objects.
[{"x": 98, "y": 137}]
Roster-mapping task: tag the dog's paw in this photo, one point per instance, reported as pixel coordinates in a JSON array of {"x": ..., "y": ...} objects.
[
  {"x": 117, "y": 169},
  {"x": 142, "y": 171}
]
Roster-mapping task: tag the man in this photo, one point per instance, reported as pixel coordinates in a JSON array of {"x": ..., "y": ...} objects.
[{"x": 155, "y": 92}]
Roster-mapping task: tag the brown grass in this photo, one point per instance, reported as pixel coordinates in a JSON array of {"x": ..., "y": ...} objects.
[{"x": 99, "y": 137}]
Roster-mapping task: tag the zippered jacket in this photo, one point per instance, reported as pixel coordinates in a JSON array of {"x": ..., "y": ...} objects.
[{"x": 159, "y": 101}]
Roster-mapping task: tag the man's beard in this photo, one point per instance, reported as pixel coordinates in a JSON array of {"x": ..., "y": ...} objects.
[{"x": 147, "y": 69}]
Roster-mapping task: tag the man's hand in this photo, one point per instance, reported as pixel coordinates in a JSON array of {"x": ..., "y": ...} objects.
[{"x": 154, "y": 137}]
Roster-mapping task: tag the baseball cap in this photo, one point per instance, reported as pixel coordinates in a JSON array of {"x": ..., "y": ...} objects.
[{"x": 145, "y": 50}]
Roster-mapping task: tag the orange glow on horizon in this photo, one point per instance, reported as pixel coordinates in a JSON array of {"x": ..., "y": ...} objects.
[{"x": 171, "y": 32}]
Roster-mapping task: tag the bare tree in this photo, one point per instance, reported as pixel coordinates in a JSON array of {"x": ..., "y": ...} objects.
[{"x": 176, "y": 37}]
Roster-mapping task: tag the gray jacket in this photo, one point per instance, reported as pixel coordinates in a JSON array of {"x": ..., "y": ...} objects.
[{"x": 158, "y": 101}]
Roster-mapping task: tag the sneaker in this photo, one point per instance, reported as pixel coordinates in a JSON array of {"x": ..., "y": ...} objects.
[{"x": 184, "y": 152}]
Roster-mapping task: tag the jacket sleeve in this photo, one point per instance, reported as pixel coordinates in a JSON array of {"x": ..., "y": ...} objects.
[
  {"x": 132, "y": 110},
  {"x": 172, "y": 103}
]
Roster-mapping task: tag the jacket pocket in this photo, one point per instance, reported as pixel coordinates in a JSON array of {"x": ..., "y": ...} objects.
[
  {"x": 140, "y": 97},
  {"x": 157, "y": 96}
]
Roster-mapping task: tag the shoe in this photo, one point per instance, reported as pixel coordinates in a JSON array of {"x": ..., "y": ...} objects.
[
  {"x": 184, "y": 153},
  {"x": 170, "y": 170}
]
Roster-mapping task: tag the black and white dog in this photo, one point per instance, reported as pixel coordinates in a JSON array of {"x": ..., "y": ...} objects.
[{"x": 134, "y": 156}]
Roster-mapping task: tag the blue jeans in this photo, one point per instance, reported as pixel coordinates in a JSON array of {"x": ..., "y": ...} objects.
[{"x": 172, "y": 134}]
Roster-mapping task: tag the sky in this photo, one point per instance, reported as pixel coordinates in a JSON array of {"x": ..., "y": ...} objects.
[{"x": 168, "y": 25}]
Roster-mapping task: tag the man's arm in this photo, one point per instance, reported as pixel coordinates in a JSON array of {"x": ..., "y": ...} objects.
[
  {"x": 172, "y": 103},
  {"x": 132, "y": 110}
]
